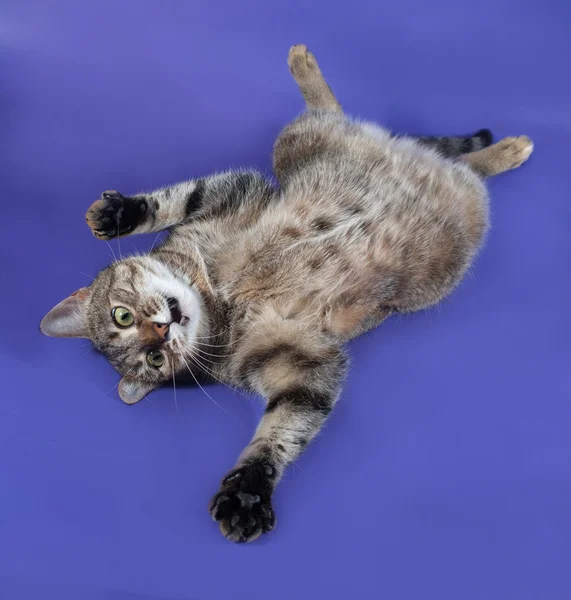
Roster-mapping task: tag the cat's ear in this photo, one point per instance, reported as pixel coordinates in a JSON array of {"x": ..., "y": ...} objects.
[
  {"x": 133, "y": 390},
  {"x": 68, "y": 318}
]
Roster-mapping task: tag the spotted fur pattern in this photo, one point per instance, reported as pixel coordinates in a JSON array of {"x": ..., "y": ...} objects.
[{"x": 261, "y": 288}]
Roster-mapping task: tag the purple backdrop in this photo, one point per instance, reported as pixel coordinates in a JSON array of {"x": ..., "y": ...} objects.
[{"x": 445, "y": 471}]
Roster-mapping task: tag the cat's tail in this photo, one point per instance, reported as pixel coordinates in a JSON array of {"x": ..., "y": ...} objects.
[{"x": 454, "y": 146}]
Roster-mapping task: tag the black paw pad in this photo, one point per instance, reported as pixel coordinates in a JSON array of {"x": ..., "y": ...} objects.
[
  {"x": 115, "y": 215},
  {"x": 247, "y": 500},
  {"x": 243, "y": 505}
]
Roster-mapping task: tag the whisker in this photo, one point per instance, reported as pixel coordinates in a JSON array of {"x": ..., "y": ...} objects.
[
  {"x": 112, "y": 251},
  {"x": 118, "y": 242},
  {"x": 213, "y": 345},
  {"x": 174, "y": 388},
  {"x": 209, "y": 372},
  {"x": 209, "y": 364},
  {"x": 155, "y": 241},
  {"x": 137, "y": 253},
  {"x": 127, "y": 373},
  {"x": 228, "y": 343},
  {"x": 211, "y": 354},
  {"x": 206, "y": 369},
  {"x": 207, "y": 394},
  {"x": 207, "y": 337}
]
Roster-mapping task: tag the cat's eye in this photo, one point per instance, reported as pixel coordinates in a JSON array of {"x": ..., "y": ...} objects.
[
  {"x": 122, "y": 316},
  {"x": 155, "y": 358}
]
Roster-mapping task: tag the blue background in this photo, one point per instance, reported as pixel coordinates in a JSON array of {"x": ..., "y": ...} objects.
[{"x": 445, "y": 471}]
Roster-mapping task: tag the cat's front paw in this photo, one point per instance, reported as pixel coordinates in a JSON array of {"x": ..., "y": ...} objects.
[
  {"x": 243, "y": 505},
  {"x": 115, "y": 215}
]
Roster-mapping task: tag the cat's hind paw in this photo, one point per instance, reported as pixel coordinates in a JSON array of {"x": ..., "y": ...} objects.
[
  {"x": 302, "y": 63},
  {"x": 514, "y": 151}
]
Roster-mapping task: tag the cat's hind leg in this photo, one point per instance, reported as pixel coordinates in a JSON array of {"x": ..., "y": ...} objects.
[
  {"x": 307, "y": 74},
  {"x": 507, "y": 154}
]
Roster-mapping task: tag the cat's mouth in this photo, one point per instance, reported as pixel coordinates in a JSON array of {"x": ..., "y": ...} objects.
[{"x": 176, "y": 313}]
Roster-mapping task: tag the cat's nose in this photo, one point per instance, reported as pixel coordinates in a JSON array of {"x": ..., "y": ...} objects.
[{"x": 161, "y": 329}]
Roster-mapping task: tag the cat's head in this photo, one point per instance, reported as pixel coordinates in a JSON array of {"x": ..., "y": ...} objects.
[{"x": 141, "y": 316}]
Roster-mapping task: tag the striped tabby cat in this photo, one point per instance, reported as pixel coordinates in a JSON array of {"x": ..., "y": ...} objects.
[{"x": 261, "y": 288}]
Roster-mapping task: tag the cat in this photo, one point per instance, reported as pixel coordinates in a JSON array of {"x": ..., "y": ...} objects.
[{"x": 261, "y": 288}]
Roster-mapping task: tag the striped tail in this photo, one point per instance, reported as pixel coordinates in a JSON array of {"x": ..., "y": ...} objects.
[{"x": 454, "y": 146}]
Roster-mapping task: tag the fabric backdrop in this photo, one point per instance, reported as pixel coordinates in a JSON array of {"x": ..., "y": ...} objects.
[{"x": 445, "y": 470}]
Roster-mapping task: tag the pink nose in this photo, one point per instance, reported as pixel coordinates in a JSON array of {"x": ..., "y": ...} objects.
[{"x": 161, "y": 329}]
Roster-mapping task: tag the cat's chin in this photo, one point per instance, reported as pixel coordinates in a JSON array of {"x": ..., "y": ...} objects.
[{"x": 182, "y": 336}]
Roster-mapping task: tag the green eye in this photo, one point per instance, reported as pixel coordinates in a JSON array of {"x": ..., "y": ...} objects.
[
  {"x": 155, "y": 358},
  {"x": 122, "y": 316}
]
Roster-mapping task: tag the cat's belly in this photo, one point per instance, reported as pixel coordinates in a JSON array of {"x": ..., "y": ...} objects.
[{"x": 349, "y": 258}]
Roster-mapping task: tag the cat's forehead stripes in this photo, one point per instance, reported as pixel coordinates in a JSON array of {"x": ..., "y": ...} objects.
[{"x": 143, "y": 286}]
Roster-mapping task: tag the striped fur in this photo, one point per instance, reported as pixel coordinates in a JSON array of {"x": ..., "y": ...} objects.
[{"x": 261, "y": 288}]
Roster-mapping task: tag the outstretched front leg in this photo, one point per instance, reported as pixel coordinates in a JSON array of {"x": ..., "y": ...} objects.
[
  {"x": 301, "y": 376},
  {"x": 307, "y": 74},
  {"x": 115, "y": 215}
]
